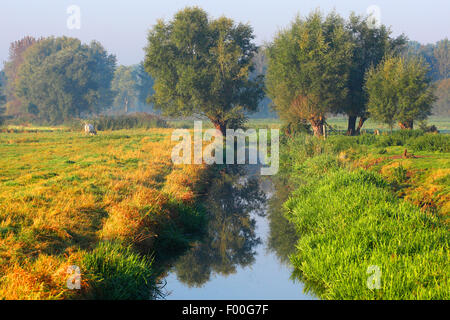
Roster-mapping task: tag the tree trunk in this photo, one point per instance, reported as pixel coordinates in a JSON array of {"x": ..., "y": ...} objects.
[
  {"x": 405, "y": 125},
  {"x": 126, "y": 105},
  {"x": 360, "y": 124},
  {"x": 221, "y": 126},
  {"x": 317, "y": 126},
  {"x": 351, "y": 130},
  {"x": 288, "y": 131}
]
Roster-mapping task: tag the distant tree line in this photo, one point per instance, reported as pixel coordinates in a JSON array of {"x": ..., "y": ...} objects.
[
  {"x": 2, "y": 96},
  {"x": 442, "y": 105},
  {"x": 199, "y": 66},
  {"x": 53, "y": 80},
  {"x": 264, "y": 109},
  {"x": 132, "y": 86},
  {"x": 437, "y": 56}
]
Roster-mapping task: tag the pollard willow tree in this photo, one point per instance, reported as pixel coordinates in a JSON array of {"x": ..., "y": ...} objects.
[
  {"x": 399, "y": 90},
  {"x": 370, "y": 44},
  {"x": 308, "y": 69},
  {"x": 202, "y": 67}
]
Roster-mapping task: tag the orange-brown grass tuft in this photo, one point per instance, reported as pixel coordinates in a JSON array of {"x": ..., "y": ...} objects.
[
  {"x": 62, "y": 193},
  {"x": 131, "y": 220},
  {"x": 44, "y": 278},
  {"x": 425, "y": 181}
]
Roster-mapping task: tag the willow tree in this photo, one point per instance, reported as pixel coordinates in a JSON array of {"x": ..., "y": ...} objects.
[
  {"x": 308, "y": 69},
  {"x": 399, "y": 90},
  {"x": 201, "y": 66},
  {"x": 371, "y": 44}
]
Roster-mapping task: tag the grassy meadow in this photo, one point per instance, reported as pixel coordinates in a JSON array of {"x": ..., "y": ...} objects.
[
  {"x": 115, "y": 206},
  {"x": 109, "y": 204},
  {"x": 360, "y": 202},
  {"x": 92, "y": 206}
]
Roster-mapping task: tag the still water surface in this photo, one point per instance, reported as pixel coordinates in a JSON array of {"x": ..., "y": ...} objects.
[{"x": 244, "y": 255}]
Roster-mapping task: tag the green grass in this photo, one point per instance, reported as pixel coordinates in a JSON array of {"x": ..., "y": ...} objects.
[
  {"x": 393, "y": 214},
  {"x": 348, "y": 221},
  {"x": 438, "y": 143},
  {"x": 119, "y": 273}
]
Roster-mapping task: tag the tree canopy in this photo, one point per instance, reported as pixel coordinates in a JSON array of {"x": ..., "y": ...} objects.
[
  {"x": 2, "y": 97},
  {"x": 132, "y": 86},
  {"x": 370, "y": 45},
  {"x": 308, "y": 70},
  {"x": 437, "y": 56},
  {"x": 61, "y": 78},
  {"x": 201, "y": 66},
  {"x": 17, "y": 50},
  {"x": 400, "y": 90},
  {"x": 442, "y": 105},
  {"x": 144, "y": 84},
  {"x": 124, "y": 87}
]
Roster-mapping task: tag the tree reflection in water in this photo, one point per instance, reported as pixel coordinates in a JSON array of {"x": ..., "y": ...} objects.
[
  {"x": 232, "y": 202},
  {"x": 282, "y": 236}
]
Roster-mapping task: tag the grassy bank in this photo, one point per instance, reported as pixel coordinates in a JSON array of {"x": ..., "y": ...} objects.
[
  {"x": 359, "y": 202},
  {"x": 109, "y": 204}
]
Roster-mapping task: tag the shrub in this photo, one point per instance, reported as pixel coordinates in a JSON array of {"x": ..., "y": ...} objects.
[
  {"x": 423, "y": 125},
  {"x": 129, "y": 121},
  {"x": 366, "y": 139},
  {"x": 137, "y": 120},
  {"x": 406, "y": 134},
  {"x": 398, "y": 138},
  {"x": 430, "y": 142},
  {"x": 341, "y": 143},
  {"x": 388, "y": 141},
  {"x": 295, "y": 128}
]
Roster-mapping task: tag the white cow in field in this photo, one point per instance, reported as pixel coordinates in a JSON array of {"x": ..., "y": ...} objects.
[{"x": 89, "y": 129}]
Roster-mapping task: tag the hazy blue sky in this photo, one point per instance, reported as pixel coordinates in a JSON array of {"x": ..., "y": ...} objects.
[{"x": 121, "y": 26}]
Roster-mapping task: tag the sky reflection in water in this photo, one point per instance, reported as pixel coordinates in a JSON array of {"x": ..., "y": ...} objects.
[{"x": 236, "y": 260}]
